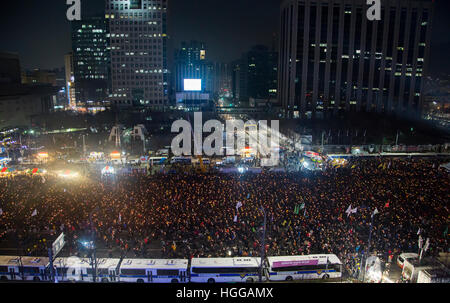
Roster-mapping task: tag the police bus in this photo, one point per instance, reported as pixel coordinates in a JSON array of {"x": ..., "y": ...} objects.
[
  {"x": 23, "y": 268},
  {"x": 211, "y": 270},
  {"x": 290, "y": 268},
  {"x": 74, "y": 269},
  {"x": 153, "y": 271}
]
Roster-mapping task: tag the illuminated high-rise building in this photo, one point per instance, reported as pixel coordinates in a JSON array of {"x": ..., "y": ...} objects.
[
  {"x": 138, "y": 40},
  {"x": 190, "y": 63},
  {"x": 70, "y": 80},
  {"x": 193, "y": 77},
  {"x": 91, "y": 59},
  {"x": 333, "y": 58}
]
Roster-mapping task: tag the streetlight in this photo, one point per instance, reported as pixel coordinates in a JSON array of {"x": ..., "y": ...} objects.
[
  {"x": 368, "y": 246},
  {"x": 92, "y": 248}
]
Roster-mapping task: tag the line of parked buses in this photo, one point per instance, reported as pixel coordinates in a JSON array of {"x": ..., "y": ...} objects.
[{"x": 200, "y": 270}]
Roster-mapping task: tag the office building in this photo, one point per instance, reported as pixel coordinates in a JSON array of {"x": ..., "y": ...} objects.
[
  {"x": 194, "y": 83},
  {"x": 91, "y": 60},
  {"x": 70, "y": 81},
  {"x": 236, "y": 79},
  {"x": 19, "y": 103},
  {"x": 333, "y": 59},
  {"x": 10, "y": 68},
  {"x": 190, "y": 63},
  {"x": 258, "y": 74},
  {"x": 222, "y": 79},
  {"x": 138, "y": 41},
  {"x": 38, "y": 76}
]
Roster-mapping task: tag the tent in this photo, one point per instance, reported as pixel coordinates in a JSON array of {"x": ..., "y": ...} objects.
[
  {"x": 4, "y": 170},
  {"x": 35, "y": 171},
  {"x": 446, "y": 166},
  {"x": 108, "y": 170}
]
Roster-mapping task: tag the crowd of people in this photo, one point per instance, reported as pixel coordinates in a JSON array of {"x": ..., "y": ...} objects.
[{"x": 221, "y": 215}]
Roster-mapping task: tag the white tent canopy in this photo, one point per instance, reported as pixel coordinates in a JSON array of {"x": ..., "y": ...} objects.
[{"x": 446, "y": 166}]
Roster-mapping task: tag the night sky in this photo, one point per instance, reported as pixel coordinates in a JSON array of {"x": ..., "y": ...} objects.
[{"x": 39, "y": 31}]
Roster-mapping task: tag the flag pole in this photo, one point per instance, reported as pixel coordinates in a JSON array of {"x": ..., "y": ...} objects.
[{"x": 263, "y": 246}]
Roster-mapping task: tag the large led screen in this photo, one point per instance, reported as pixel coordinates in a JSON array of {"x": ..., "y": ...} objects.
[{"x": 193, "y": 85}]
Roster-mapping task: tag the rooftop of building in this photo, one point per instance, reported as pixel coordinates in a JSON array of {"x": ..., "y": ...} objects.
[{"x": 13, "y": 90}]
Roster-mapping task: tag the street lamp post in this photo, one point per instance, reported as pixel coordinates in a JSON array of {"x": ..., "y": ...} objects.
[
  {"x": 368, "y": 250},
  {"x": 263, "y": 246},
  {"x": 92, "y": 249}
]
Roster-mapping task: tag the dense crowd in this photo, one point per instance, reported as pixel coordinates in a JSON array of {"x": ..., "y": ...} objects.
[{"x": 195, "y": 215}]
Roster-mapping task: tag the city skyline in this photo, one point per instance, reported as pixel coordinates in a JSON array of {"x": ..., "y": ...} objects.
[{"x": 232, "y": 29}]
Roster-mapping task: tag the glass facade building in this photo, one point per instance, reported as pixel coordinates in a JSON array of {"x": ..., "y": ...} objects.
[
  {"x": 332, "y": 58},
  {"x": 139, "y": 72},
  {"x": 91, "y": 60}
]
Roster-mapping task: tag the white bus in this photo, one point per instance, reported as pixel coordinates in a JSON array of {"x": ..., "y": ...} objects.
[
  {"x": 290, "y": 268},
  {"x": 211, "y": 270},
  {"x": 156, "y": 160},
  {"x": 412, "y": 267},
  {"x": 75, "y": 269},
  {"x": 181, "y": 160},
  {"x": 23, "y": 268},
  {"x": 153, "y": 271}
]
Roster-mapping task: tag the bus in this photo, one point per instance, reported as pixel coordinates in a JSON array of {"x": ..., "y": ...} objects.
[
  {"x": 181, "y": 160},
  {"x": 212, "y": 270},
  {"x": 290, "y": 268},
  {"x": 153, "y": 271},
  {"x": 74, "y": 269},
  {"x": 436, "y": 275},
  {"x": 23, "y": 268},
  {"x": 156, "y": 160},
  {"x": 412, "y": 267},
  {"x": 205, "y": 161}
]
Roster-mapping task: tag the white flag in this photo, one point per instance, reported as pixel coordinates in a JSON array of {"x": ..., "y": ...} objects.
[
  {"x": 420, "y": 242},
  {"x": 349, "y": 210},
  {"x": 238, "y": 205},
  {"x": 1, "y": 211},
  {"x": 418, "y": 232},
  {"x": 34, "y": 213},
  {"x": 235, "y": 219},
  {"x": 427, "y": 244},
  {"x": 375, "y": 212},
  {"x": 120, "y": 218}
]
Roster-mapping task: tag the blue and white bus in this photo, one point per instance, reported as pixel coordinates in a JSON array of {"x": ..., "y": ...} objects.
[
  {"x": 212, "y": 270},
  {"x": 181, "y": 160},
  {"x": 156, "y": 160},
  {"x": 23, "y": 268},
  {"x": 74, "y": 269},
  {"x": 290, "y": 268},
  {"x": 154, "y": 271}
]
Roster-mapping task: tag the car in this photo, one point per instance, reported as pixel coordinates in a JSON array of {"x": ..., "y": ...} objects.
[{"x": 405, "y": 256}]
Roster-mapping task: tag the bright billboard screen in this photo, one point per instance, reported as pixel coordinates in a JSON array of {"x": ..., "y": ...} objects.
[{"x": 193, "y": 85}]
